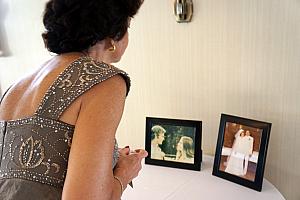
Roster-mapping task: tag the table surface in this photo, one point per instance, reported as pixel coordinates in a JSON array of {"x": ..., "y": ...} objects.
[{"x": 163, "y": 183}]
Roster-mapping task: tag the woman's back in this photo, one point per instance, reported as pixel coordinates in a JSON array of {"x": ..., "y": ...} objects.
[{"x": 25, "y": 96}]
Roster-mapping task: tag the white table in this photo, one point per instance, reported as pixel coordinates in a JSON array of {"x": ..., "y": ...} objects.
[{"x": 163, "y": 183}]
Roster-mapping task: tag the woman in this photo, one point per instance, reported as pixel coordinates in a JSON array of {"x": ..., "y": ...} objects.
[
  {"x": 158, "y": 136},
  {"x": 57, "y": 125},
  {"x": 235, "y": 164},
  {"x": 185, "y": 150}
]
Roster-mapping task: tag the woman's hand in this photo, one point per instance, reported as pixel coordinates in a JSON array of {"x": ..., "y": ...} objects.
[{"x": 129, "y": 164}]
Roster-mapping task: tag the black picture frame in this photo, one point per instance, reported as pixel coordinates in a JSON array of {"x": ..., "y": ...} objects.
[
  {"x": 239, "y": 158},
  {"x": 181, "y": 146}
]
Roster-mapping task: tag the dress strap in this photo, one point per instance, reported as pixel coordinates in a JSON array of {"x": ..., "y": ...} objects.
[
  {"x": 81, "y": 75},
  {"x": 2, "y": 128},
  {"x": 4, "y": 94}
]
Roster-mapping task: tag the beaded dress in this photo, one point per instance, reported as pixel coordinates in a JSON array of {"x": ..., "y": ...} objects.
[{"x": 34, "y": 151}]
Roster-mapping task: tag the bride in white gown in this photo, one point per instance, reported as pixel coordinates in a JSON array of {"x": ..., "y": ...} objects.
[{"x": 235, "y": 164}]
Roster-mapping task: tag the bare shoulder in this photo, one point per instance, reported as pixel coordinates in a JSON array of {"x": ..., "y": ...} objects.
[
  {"x": 93, "y": 140},
  {"x": 104, "y": 100}
]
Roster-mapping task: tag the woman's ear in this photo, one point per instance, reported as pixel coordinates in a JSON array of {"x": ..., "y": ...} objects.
[{"x": 110, "y": 45}]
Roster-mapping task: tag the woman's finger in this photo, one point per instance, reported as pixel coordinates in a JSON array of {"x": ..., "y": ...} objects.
[
  {"x": 124, "y": 151},
  {"x": 143, "y": 153}
]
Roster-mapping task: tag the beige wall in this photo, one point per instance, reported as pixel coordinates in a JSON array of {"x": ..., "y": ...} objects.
[{"x": 239, "y": 57}]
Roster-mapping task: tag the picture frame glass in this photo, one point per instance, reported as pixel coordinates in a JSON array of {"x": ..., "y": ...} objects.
[
  {"x": 240, "y": 150},
  {"x": 173, "y": 143}
]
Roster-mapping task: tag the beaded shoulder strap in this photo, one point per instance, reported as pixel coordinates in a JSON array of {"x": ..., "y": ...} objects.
[{"x": 81, "y": 75}]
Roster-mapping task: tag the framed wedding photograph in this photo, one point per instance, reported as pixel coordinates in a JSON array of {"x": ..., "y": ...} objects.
[
  {"x": 174, "y": 143},
  {"x": 241, "y": 150}
]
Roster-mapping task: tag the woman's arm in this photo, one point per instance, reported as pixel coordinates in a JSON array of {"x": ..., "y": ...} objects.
[{"x": 90, "y": 175}]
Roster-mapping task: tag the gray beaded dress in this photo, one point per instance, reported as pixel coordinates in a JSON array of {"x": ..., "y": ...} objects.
[{"x": 34, "y": 151}]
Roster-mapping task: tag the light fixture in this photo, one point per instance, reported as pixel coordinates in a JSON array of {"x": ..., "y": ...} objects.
[{"x": 183, "y": 10}]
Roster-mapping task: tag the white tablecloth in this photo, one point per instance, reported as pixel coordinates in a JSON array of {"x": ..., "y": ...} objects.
[{"x": 163, "y": 183}]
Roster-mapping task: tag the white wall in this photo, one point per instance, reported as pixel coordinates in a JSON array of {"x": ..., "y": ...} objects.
[
  {"x": 238, "y": 57},
  {"x": 21, "y": 22}
]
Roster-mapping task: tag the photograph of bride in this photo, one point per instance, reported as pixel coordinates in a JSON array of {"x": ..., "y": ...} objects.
[{"x": 240, "y": 150}]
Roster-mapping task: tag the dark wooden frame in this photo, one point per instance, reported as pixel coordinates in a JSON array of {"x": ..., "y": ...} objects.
[
  {"x": 151, "y": 121},
  {"x": 266, "y": 128}
]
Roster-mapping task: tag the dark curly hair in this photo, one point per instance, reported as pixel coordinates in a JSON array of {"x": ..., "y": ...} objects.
[{"x": 75, "y": 25}]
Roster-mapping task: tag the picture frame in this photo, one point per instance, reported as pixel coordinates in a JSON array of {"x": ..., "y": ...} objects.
[
  {"x": 241, "y": 150},
  {"x": 174, "y": 143}
]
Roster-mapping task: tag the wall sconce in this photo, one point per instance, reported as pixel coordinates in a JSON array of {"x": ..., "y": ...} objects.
[{"x": 183, "y": 10}]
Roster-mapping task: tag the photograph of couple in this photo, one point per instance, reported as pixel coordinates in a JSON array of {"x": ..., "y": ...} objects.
[
  {"x": 240, "y": 150},
  {"x": 173, "y": 143}
]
